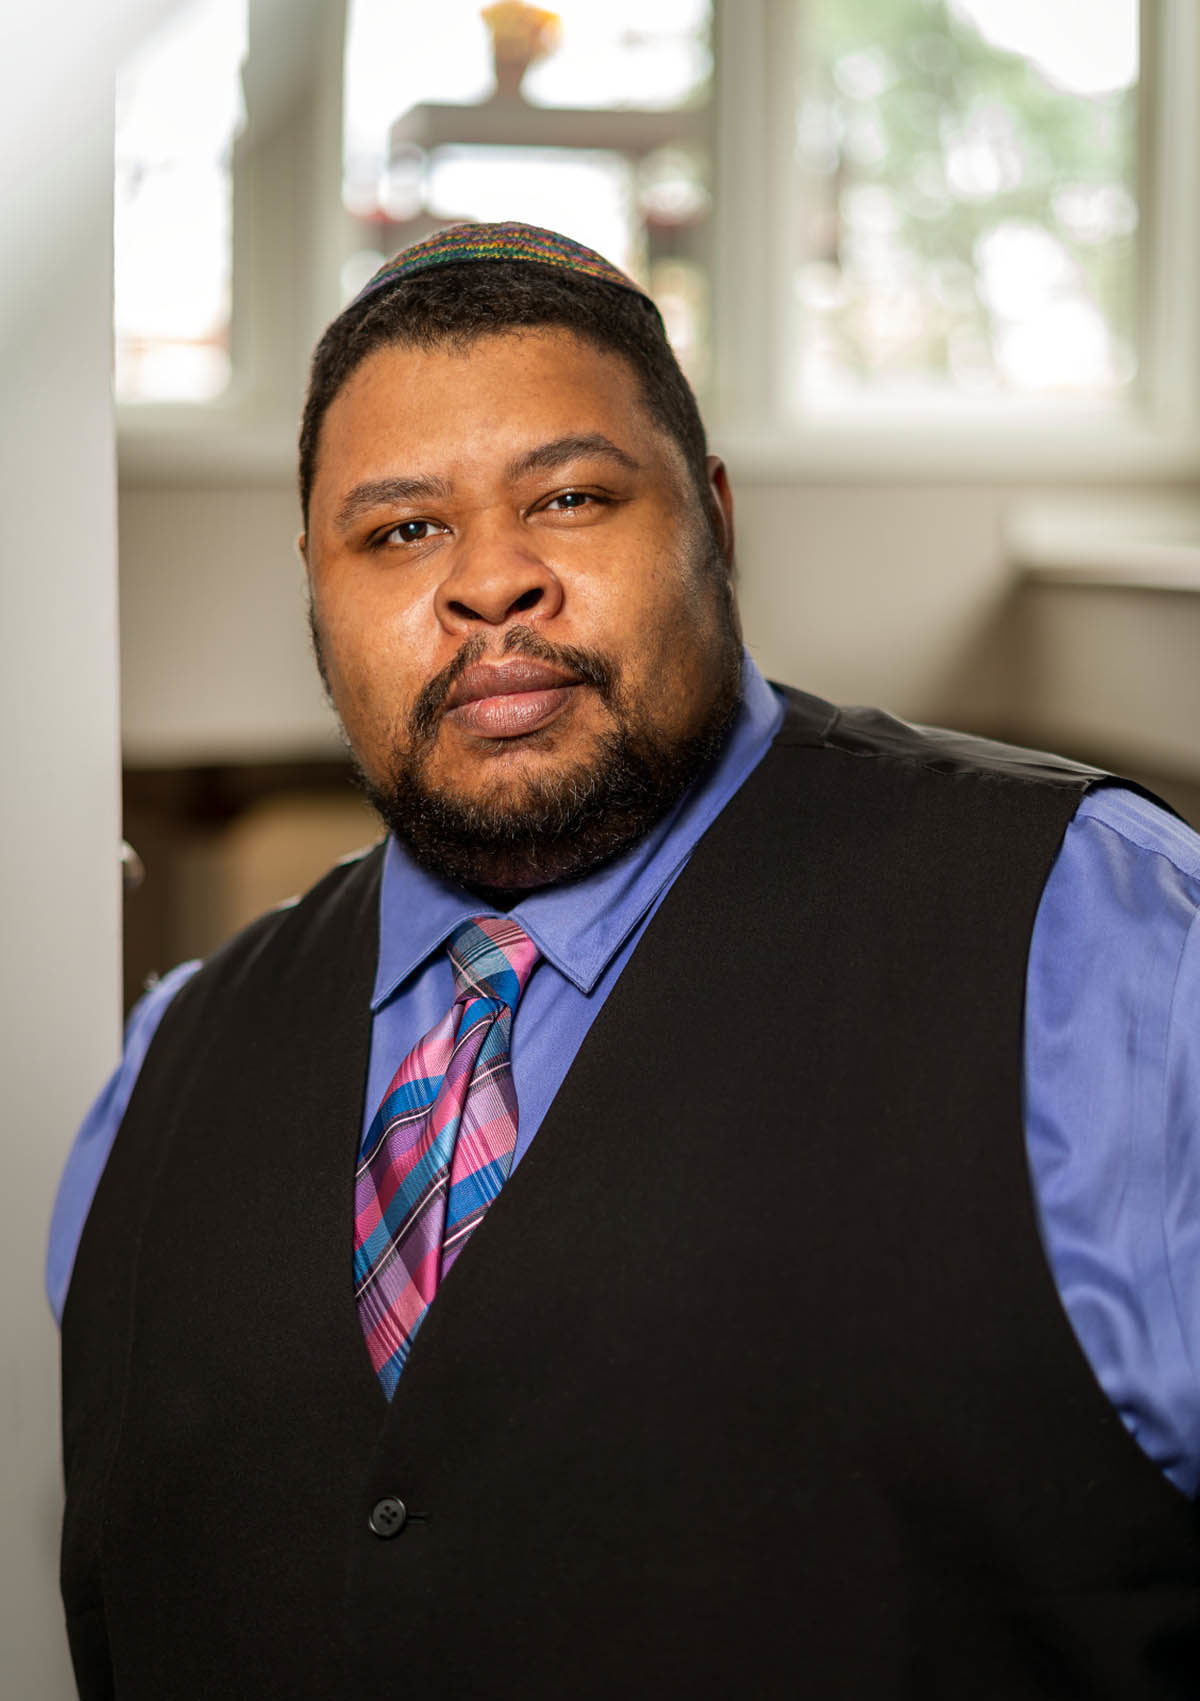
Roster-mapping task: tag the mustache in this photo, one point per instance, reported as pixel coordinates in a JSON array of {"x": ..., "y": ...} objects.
[{"x": 590, "y": 667}]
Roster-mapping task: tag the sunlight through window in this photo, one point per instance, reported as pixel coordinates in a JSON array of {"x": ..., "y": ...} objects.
[
  {"x": 179, "y": 107},
  {"x": 968, "y": 172},
  {"x": 590, "y": 120}
]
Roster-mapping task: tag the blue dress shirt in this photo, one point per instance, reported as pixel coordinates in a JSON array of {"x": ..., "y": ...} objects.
[{"x": 1112, "y": 1059}]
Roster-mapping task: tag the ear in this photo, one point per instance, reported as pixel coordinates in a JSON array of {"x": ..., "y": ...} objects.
[
  {"x": 720, "y": 494},
  {"x": 302, "y": 547}
]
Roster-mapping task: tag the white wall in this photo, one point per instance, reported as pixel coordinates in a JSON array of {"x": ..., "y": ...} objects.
[
  {"x": 910, "y": 595},
  {"x": 214, "y": 644},
  {"x": 873, "y": 592},
  {"x": 59, "y": 982}
]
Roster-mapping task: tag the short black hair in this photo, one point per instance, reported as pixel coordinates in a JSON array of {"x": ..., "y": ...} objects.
[{"x": 455, "y": 304}]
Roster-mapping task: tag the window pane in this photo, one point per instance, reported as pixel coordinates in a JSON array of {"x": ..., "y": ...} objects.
[
  {"x": 179, "y": 108},
  {"x": 555, "y": 187},
  {"x": 968, "y": 171},
  {"x": 592, "y": 120}
]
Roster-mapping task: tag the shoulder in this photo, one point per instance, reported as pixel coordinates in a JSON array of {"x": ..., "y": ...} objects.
[
  {"x": 197, "y": 998},
  {"x": 1116, "y": 929},
  {"x": 1116, "y": 940},
  {"x": 1127, "y": 865},
  {"x": 865, "y": 732},
  {"x": 1136, "y": 826},
  {"x": 887, "y": 790}
]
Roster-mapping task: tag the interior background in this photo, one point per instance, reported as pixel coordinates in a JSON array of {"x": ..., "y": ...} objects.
[{"x": 1043, "y": 587}]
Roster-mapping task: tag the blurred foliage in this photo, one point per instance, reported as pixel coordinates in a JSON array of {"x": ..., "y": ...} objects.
[{"x": 906, "y": 99}]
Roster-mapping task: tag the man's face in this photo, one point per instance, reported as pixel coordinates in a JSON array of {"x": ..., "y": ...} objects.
[{"x": 517, "y": 595}]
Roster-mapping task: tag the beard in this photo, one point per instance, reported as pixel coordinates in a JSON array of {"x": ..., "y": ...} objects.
[{"x": 514, "y": 836}]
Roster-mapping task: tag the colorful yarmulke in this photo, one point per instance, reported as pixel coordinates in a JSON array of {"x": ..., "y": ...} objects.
[{"x": 459, "y": 243}]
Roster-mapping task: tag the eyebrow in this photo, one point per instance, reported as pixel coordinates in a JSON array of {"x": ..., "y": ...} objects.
[
  {"x": 547, "y": 457},
  {"x": 378, "y": 492}
]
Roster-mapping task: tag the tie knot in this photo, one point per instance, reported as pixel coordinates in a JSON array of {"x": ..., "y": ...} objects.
[{"x": 492, "y": 958}]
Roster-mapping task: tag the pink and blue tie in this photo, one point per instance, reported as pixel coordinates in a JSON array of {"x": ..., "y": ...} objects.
[{"x": 440, "y": 1146}]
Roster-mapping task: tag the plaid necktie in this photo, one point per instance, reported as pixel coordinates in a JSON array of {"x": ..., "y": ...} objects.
[{"x": 440, "y": 1145}]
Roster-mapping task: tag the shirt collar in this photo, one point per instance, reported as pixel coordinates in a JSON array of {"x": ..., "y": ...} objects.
[{"x": 579, "y": 927}]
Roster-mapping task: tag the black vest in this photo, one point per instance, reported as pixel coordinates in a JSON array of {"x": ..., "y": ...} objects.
[{"x": 753, "y": 1381}]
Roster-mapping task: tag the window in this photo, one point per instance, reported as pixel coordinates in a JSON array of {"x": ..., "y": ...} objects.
[
  {"x": 967, "y": 173},
  {"x": 1033, "y": 295},
  {"x": 178, "y": 110},
  {"x": 851, "y": 212},
  {"x": 591, "y": 120}
]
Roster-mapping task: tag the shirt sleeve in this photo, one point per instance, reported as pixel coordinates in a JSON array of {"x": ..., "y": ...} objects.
[
  {"x": 89, "y": 1153},
  {"x": 1112, "y": 1110}
]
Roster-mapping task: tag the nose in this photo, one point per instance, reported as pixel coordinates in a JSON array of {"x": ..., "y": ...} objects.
[{"x": 496, "y": 575}]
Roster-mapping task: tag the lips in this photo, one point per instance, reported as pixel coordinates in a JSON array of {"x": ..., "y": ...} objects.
[{"x": 508, "y": 700}]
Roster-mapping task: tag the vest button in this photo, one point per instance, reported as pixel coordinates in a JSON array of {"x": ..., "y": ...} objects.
[{"x": 388, "y": 1517}]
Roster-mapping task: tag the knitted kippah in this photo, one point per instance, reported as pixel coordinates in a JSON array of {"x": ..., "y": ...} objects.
[{"x": 460, "y": 243}]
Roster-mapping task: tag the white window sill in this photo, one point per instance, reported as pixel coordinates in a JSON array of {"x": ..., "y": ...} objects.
[
  {"x": 1131, "y": 545},
  {"x": 1102, "y": 634},
  {"x": 215, "y": 443},
  {"x": 222, "y": 443},
  {"x": 1035, "y": 447}
]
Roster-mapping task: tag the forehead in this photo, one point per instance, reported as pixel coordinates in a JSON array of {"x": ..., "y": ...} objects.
[{"x": 479, "y": 405}]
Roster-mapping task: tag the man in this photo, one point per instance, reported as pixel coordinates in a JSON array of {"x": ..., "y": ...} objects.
[{"x": 649, "y": 1106}]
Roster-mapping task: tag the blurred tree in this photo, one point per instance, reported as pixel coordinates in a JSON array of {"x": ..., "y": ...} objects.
[{"x": 955, "y": 200}]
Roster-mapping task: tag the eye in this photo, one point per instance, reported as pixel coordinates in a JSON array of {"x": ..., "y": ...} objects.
[
  {"x": 410, "y": 531},
  {"x": 571, "y": 501}
]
